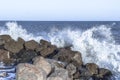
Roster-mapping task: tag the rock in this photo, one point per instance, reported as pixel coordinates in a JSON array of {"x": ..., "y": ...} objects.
[
  {"x": 104, "y": 74},
  {"x": 67, "y": 55},
  {"x": 5, "y": 56},
  {"x": 41, "y": 62},
  {"x": 55, "y": 78},
  {"x": 71, "y": 69},
  {"x": 60, "y": 72},
  {"x": 20, "y": 40},
  {"x": 32, "y": 45},
  {"x": 77, "y": 59},
  {"x": 4, "y": 39},
  {"x": 13, "y": 46},
  {"x": 46, "y": 49},
  {"x": 44, "y": 43},
  {"x": 27, "y": 71},
  {"x": 92, "y": 68},
  {"x": 76, "y": 75},
  {"x": 56, "y": 64},
  {"x": 25, "y": 56}
]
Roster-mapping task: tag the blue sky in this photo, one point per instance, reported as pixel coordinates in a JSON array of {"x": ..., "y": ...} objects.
[{"x": 60, "y": 10}]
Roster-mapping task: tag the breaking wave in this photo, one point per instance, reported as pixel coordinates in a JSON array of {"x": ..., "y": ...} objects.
[{"x": 96, "y": 44}]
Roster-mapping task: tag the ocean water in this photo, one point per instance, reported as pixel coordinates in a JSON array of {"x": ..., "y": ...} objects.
[{"x": 98, "y": 41}]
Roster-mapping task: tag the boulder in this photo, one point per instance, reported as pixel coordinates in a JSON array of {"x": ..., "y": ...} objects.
[
  {"x": 60, "y": 72},
  {"x": 56, "y": 64},
  {"x": 45, "y": 49},
  {"x": 4, "y": 39},
  {"x": 25, "y": 56},
  {"x": 25, "y": 71},
  {"x": 71, "y": 69},
  {"x": 69, "y": 56},
  {"x": 32, "y": 45},
  {"x": 14, "y": 46},
  {"x": 103, "y": 74},
  {"x": 5, "y": 56},
  {"x": 92, "y": 68},
  {"x": 41, "y": 62}
]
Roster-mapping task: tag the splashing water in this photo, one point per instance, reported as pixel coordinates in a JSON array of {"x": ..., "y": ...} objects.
[{"x": 96, "y": 44}]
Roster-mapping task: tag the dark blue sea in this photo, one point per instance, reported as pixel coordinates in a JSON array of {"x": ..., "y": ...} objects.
[{"x": 98, "y": 41}]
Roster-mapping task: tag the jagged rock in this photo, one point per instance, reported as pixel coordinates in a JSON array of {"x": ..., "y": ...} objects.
[
  {"x": 13, "y": 46},
  {"x": 27, "y": 71},
  {"x": 25, "y": 56},
  {"x": 71, "y": 69},
  {"x": 60, "y": 72},
  {"x": 32, "y": 45},
  {"x": 40, "y": 62},
  {"x": 92, "y": 68},
  {"x": 69, "y": 56},
  {"x": 45, "y": 48}
]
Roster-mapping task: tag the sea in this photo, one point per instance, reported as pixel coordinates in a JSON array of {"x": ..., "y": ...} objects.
[{"x": 97, "y": 41}]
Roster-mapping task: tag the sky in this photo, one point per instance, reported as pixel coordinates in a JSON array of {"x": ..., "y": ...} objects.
[{"x": 60, "y": 10}]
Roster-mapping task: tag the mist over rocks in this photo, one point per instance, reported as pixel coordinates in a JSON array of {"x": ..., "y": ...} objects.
[{"x": 50, "y": 62}]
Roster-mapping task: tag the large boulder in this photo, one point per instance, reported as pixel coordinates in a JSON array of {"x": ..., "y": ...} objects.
[
  {"x": 25, "y": 56},
  {"x": 41, "y": 62},
  {"x": 32, "y": 45},
  {"x": 69, "y": 56},
  {"x": 45, "y": 49},
  {"x": 27, "y": 71},
  {"x": 14, "y": 46}
]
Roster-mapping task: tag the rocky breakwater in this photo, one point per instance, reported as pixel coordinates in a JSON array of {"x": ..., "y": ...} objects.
[{"x": 44, "y": 61}]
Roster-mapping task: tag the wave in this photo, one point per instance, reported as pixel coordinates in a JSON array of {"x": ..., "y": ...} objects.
[{"x": 96, "y": 44}]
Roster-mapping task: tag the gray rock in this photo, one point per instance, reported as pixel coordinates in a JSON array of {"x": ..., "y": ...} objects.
[
  {"x": 27, "y": 71},
  {"x": 55, "y": 78},
  {"x": 60, "y": 72},
  {"x": 41, "y": 62},
  {"x": 71, "y": 69}
]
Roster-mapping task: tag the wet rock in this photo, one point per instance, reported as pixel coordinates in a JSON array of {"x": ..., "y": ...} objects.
[
  {"x": 60, "y": 72},
  {"x": 46, "y": 48},
  {"x": 71, "y": 69},
  {"x": 41, "y": 62},
  {"x": 92, "y": 68},
  {"x": 25, "y": 56},
  {"x": 29, "y": 72},
  {"x": 32, "y": 45},
  {"x": 66, "y": 55},
  {"x": 76, "y": 75},
  {"x": 13, "y": 46},
  {"x": 104, "y": 74}
]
